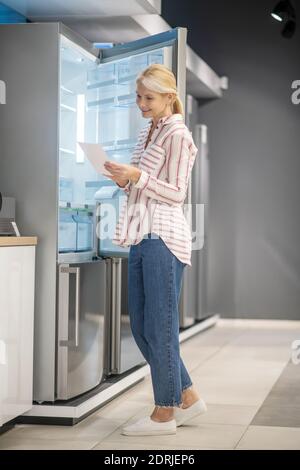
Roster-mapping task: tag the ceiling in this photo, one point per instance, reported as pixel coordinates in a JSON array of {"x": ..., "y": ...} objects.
[{"x": 62, "y": 9}]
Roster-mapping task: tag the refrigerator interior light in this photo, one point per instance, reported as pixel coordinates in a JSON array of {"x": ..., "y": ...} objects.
[{"x": 80, "y": 127}]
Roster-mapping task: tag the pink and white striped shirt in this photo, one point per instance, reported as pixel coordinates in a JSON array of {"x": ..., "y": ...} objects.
[{"x": 155, "y": 202}]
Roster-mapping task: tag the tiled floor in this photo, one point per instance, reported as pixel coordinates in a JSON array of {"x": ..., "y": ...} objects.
[{"x": 242, "y": 368}]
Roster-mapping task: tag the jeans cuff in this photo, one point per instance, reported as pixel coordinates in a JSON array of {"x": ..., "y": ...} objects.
[
  {"x": 187, "y": 386},
  {"x": 169, "y": 406}
]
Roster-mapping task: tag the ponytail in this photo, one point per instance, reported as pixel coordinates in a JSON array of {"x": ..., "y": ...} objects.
[{"x": 177, "y": 107}]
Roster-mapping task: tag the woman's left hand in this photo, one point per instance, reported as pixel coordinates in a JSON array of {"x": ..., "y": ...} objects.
[{"x": 121, "y": 170}]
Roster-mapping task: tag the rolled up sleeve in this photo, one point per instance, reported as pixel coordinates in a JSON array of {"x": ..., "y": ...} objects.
[{"x": 126, "y": 188}]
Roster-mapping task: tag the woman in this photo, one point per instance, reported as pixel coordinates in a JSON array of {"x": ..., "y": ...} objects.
[{"x": 152, "y": 223}]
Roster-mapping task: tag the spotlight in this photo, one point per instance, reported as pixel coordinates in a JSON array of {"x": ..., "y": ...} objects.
[
  {"x": 276, "y": 16},
  {"x": 285, "y": 12}
]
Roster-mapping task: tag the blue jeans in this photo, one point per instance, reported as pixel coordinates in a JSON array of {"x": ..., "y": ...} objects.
[{"x": 154, "y": 283}]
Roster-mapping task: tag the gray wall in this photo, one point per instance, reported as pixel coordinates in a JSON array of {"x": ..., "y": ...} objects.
[{"x": 254, "y": 136}]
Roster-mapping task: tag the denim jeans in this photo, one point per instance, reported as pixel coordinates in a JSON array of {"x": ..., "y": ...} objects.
[{"x": 154, "y": 283}]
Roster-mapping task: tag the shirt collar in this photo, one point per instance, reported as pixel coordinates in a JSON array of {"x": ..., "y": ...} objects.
[{"x": 168, "y": 119}]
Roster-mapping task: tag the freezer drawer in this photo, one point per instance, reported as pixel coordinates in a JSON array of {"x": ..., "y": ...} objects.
[{"x": 81, "y": 327}]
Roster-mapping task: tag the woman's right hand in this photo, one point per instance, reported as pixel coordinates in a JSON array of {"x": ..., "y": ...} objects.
[{"x": 120, "y": 181}]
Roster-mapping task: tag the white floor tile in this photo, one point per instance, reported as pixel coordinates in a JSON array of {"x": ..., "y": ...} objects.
[
  {"x": 195, "y": 434},
  {"x": 270, "y": 438},
  {"x": 228, "y": 414},
  {"x": 44, "y": 444}
]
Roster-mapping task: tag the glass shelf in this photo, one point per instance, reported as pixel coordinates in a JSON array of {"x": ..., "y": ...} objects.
[
  {"x": 102, "y": 84},
  {"x": 69, "y": 152},
  {"x": 112, "y": 82},
  {"x": 101, "y": 103},
  {"x": 118, "y": 148},
  {"x": 73, "y": 206},
  {"x": 66, "y": 107},
  {"x": 125, "y": 144},
  {"x": 95, "y": 105},
  {"x": 114, "y": 102},
  {"x": 66, "y": 90}
]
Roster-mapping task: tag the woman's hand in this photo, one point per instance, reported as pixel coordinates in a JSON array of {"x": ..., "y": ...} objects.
[
  {"x": 123, "y": 172},
  {"x": 120, "y": 181}
]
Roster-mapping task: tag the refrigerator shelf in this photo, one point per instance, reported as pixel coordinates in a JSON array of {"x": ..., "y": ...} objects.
[
  {"x": 114, "y": 102},
  {"x": 66, "y": 90},
  {"x": 66, "y": 107},
  {"x": 69, "y": 152},
  {"x": 71, "y": 206},
  {"x": 109, "y": 104},
  {"x": 95, "y": 105},
  {"x": 101, "y": 103},
  {"x": 113, "y": 81},
  {"x": 102, "y": 84},
  {"x": 119, "y": 148},
  {"x": 125, "y": 144}
]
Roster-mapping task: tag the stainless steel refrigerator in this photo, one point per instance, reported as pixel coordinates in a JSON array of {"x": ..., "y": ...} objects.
[
  {"x": 193, "y": 300},
  {"x": 60, "y": 90}
]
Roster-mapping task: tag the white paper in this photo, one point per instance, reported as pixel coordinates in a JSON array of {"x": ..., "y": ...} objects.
[{"x": 97, "y": 156}]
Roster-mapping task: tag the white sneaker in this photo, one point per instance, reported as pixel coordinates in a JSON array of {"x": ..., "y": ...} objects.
[
  {"x": 147, "y": 427},
  {"x": 182, "y": 415}
]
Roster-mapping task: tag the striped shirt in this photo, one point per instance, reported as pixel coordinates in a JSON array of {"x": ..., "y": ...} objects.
[{"x": 155, "y": 203}]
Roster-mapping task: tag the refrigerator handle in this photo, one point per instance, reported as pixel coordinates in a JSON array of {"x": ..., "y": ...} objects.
[
  {"x": 77, "y": 306},
  {"x": 75, "y": 271},
  {"x": 97, "y": 227},
  {"x": 116, "y": 316}
]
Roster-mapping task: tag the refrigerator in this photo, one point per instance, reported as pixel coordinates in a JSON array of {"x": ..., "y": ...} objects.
[
  {"x": 61, "y": 90},
  {"x": 193, "y": 300}
]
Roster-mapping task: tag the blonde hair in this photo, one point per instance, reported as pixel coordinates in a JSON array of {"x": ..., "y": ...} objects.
[{"x": 160, "y": 79}]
